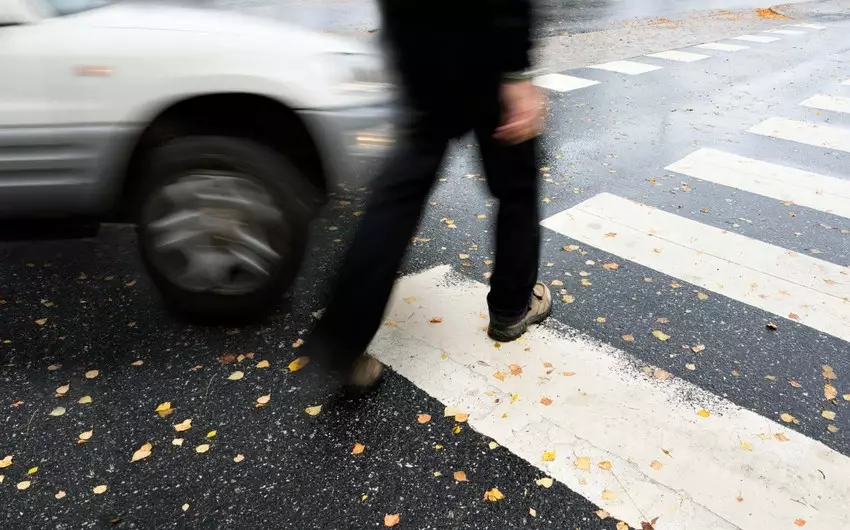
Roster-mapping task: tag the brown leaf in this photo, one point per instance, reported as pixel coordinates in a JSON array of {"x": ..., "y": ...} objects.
[
  {"x": 423, "y": 418},
  {"x": 515, "y": 369},
  {"x": 800, "y": 522},
  {"x": 793, "y": 316},
  {"x": 436, "y": 320},
  {"x": 358, "y": 448},
  {"x": 391, "y": 520},
  {"x": 568, "y": 299},
  {"x": 493, "y": 495},
  {"x": 545, "y": 401},
  {"x": 829, "y": 391},
  {"x": 227, "y": 358},
  {"x": 656, "y": 465},
  {"x": 41, "y": 321},
  {"x": 460, "y": 476},
  {"x": 698, "y": 348},
  {"x": 832, "y": 428},
  {"x": 629, "y": 338},
  {"x": 298, "y": 364},
  {"x": 602, "y": 514},
  {"x": 605, "y": 465},
  {"x": 569, "y": 374},
  {"x": 610, "y": 266},
  {"x": 184, "y": 425},
  {"x": 795, "y": 384}
]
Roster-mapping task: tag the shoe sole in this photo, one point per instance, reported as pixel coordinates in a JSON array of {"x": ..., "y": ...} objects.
[{"x": 521, "y": 328}]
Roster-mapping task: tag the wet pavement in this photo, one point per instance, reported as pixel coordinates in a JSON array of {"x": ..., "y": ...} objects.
[{"x": 82, "y": 314}]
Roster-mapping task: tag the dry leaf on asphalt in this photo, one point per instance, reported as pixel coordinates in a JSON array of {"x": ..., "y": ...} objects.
[
  {"x": 60, "y": 495},
  {"x": 828, "y": 372},
  {"x": 99, "y": 490},
  {"x": 262, "y": 401},
  {"x": 184, "y": 425},
  {"x": 298, "y": 364},
  {"x": 608, "y": 495},
  {"x": 781, "y": 437},
  {"x": 583, "y": 463},
  {"x": 605, "y": 465},
  {"x": 91, "y": 374},
  {"x": 263, "y": 364},
  {"x": 557, "y": 283},
  {"x": 298, "y": 343},
  {"x": 85, "y": 436},
  {"x": 795, "y": 384},
  {"x": 462, "y": 417},
  {"x": 24, "y": 484},
  {"x": 423, "y": 418},
  {"x": 568, "y": 299},
  {"x": 601, "y": 320},
  {"x": 358, "y": 448},
  {"x": 548, "y": 456},
  {"x": 629, "y": 338},
  {"x": 58, "y": 411},
  {"x": 493, "y": 495},
  {"x": 6, "y": 462},
  {"x": 660, "y": 335},
  {"x": 832, "y": 428},
  {"x": 313, "y": 411},
  {"x": 392, "y": 519},
  {"x": 212, "y": 434},
  {"x": 829, "y": 391},
  {"x": 62, "y": 390},
  {"x": 32, "y": 470},
  {"x": 691, "y": 366},
  {"x": 787, "y": 418},
  {"x": 164, "y": 409},
  {"x": 137, "y": 363},
  {"x": 702, "y": 296},
  {"x": 545, "y": 482},
  {"x": 41, "y": 321},
  {"x": 622, "y": 526},
  {"x": 203, "y": 448},
  {"x": 661, "y": 375},
  {"x": 460, "y": 476},
  {"x": 238, "y": 458},
  {"x": 698, "y": 348},
  {"x": 177, "y": 441},
  {"x": 493, "y": 445},
  {"x": 236, "y": 376},
  {"x": 602, "y": 514},
  {"x": 828, "y": 414},
  {"x": 143, "y": 452},
  {"x": 610, "y": 266}
]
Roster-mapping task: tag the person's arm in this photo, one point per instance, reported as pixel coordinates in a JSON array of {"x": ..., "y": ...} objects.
[{"x": 512, "y": 22}]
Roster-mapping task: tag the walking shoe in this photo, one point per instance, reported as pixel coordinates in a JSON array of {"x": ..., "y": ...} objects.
[
  {"x": 539, "y": 308},
  {"x": 364, "y": 375}
]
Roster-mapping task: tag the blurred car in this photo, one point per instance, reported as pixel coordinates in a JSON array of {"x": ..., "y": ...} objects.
[{"x": 218, "y": 134}]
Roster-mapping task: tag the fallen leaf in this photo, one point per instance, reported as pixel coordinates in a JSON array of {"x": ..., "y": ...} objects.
[
  {"x": 545, "y": 401},
  {"x": 771, "y": 326},
  {"x": 358, "y": 448},
  {"x": 557, "y": 283},
  {"x": 185, "y": 507},
  {"x": 532, "y": 512},
  {"x": 735, "y": 373},
  {"x": 829, "y": 391},
  {"x": 298, "y": 343},
  {"x": 86, "y": 436},
  {"x": 568, "y": 299},
  {"x": 32, "y": 470},
  {"x": 605, "y": 465},
  {"x": 313, "y": 411},
  {"x": 203, "y": 448},
  {"x": 691, "y": 366},
  {"x": 676, "y": 285},
  {"x": 698, "y": 348},
  {"x": 500, "y": 375},
  {"x": 462, "y": 417},
  {"x": 177, "y": 441},
  {"x": 800, "y": 522},
  {"x": 392, "y": 519},
  {"x": 828, "y": 372},
  {"x": 787, "y": 418},
  {"x": 660, "y": 335},
  {"x": 143, "y": 452},
  {"x": 608, "y": 495},
  {"x": 262, "y": 401},
  {"x": 456, "y": 429},
  {"x": 661, "y": 375},
  {"x": 656, "y": 465},
  {"x": 545, "y": 482},
  {"x": 739, "y": 498},
  {"x": 828, "y": 414},
  {"x": 227, "y": 358},
  {"x": 514, "y": 397},
  {"x": 493, "y": 495},
  {"x": 423, "y": 418},
  {"x": 53, "y": 367},
  {"x": 437, "y": 447},
  {"x": 41, "y": 321},
  {"x": 846, "y": 397},
  {"x": 662, "y": 320},
  {"x": 569, "y": 374},
  {"x": 586, "y": 283},
  {"x": 163, "y": 409},
  {"x": 832, "y": 428},
  {"x": 746, "y": 446},
  {"x": 602, "y": 514},
  {"x": 263, "y": 364},
  {"x": 236, "y": 376},
  {"x": 451, "y": 411},
  {"x": 610, "y": 266},
  {"x": 24, "y": 484},
  {"x": 91, "y": 374},
  {"x": 62, "y": 390},
  {"x": 582, "y": 463},
  {"x": 184, "y": 425},
  {"x": 704, "y": 413},
  {"x": 622, "y": 526},
  {"x": 99, "y": 490},
  {"x": 795, "y": 384},
  {"x": 460, "y": 476},
  {"x": 781, "y": 437},
  {"x": 137, "y": 363},
  {"x": 548, "y": 456},
  {"x": 436, "y": 320},
  {"x": 212, "y": 433},
  {"x": 463, "y": 256},
  {"x": 601, "y": 320},
  {"x": 58, "y": 411},
  {"x": 238, "y": 458},
  {"x": 60, "y": 495},
  {"x": 702, "y": 296},
  {"x": 493, "y": 445},
  {"x": 629, "y": 338},
  {"x": 481, "y": 216},
  {"x": 298, "y": 364}
]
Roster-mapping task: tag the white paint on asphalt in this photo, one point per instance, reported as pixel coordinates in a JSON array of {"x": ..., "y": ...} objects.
[
  {"x": 847, "y": 82},
  {"x": 609, "y": 410},
  {"x": 756, "y": 38},
  {"x": 786, "y": 31},
  {"x": 626, "y": 67},
  {"x": 720, "y": 46},
  {"x": 808, "y": 26},
  {"x": 818, "y": 135},
  {"x": 676, "y": 55},
  {"x": 791, "y": 285},
  {"x": 833, "y": 103},
  {"x": 563, "y": 83},
  {"x": 804, "y": 188}
]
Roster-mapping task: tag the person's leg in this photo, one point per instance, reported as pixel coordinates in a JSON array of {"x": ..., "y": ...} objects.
[
  {"x": 368, "y": 270},
  {"x": 512, "y": 177}
]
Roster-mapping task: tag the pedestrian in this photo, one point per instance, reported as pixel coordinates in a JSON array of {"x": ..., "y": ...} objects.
[{"x": 464, "y": 66}]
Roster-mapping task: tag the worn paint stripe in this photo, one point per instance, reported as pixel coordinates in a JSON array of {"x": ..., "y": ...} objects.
[
  {"x": 756, "y": 38},
  {"x": 680, "y": 56},
  {"x": 563, "y": 83},
  {"x": 791, "y": 285},
  {"x": 818, "y": 135},
  {"x": 609, "y": 410},
  {"x": 626, "y": 67},
  {"x": 805, "y": 188},
  {"x": 809, "y": 26},
  {"x": 723, "y": 47},
  {"x": 833, "y": 103},
  {"x": 786, "y": 31}
]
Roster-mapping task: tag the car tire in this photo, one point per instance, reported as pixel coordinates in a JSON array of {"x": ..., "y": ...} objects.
[{"x": 222, "y": 225}]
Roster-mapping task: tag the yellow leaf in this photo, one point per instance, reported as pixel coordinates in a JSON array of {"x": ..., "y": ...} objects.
[
  {"x": 238, "y": 458},
  {"x": 608, "y": 495},
  {"x": 583, "y": 463},
  {"x": 656, "y": 465},
  {"x": 702, "y": 296},
  {"x": 770, "y": 377},
  {"x": 58, "y": 411},
  {"x": 828, "y": 372},
  {"x": 463, "y": 256},
  {"x": 605, "y": 465},
  {"x": 602, "y": 514},
  {"x": 437, "y": 447},
  {"x": 263, "y": 364},
  {"x": 846, "y": 397},
  {"x": 460, "y": 476},
  {"x": 162, "y": 407},
  {"x": 698, "y": 348},
  {"x": 500, "y": 376},
  {"x": 481, "y": 216},
  {"x": 601, "y": 320},
  {"x": 211, "y": 434},
  {"x": 236, "y": 376},
  {"x": 456, "y": 429},
  {"x": 86, "y": 435},
  {"x": 545, "y": 401},
  {"x": 24, "y": 484},
  {"x": 629, "y": 338},
  {"x": 203, "y": 448},
  {"x": 185, "y": 507},
  {"x": 787, "y": 418},
  {"x": 91, "y": 374},
  {"x": 514, "y": 397},
  {"x": 493, "y": 445},
  {"x": 6, "y": 462},
  {"x": 781, "y": 437},
  {"x": 829, "y": 391},
  {"x": 313, "y": 411},
  {"x": 99, "y": 490},
  {"x": 622, "y": 526},
  {"x": 828, "y": 414},
  {"x": 184, "y": 425},
  {"x": 392, "y": 519},
  {"x": 451, "y": 411},
  {"x": 32, "y": 470},
  {"x": 586, "y": 283},
  {"x": 691, "y": 366},
  {"x": 262, "y": 401},
  {"x": 610, "y": 266},
  {"x": 298, "y": 364},
  {"x": 62, "y": 390},
  {"x": 493, "y": 495},
  {"x": 746, "y": 446},
  {"x": 660, "y": 335},
  {"x": 85, "y": 400},
  {"x": 545, "y": 482},
  {"x": 177, "y": 441},
  {"x": 568, "y": 299},
  {"x": 548, "y": 456},
  {"x": 661, "y": 375},
  {"x": 358, "y": 448},
  {"x": 410, "y": 300},
  {"x": 462, "y": 417},
  {"x": 704, "y": 413},
  {"x": 60, "y": 494},
  {"x": 143, "y": 452}
]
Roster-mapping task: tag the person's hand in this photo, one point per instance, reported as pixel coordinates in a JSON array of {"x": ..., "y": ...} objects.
[{"x": 522, "y": 112}]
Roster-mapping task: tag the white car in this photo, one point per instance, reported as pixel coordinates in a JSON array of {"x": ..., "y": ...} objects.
[{"x": 217, "y": 134}]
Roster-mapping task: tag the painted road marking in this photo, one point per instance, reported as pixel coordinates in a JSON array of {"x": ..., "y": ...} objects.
[
  {"x": 833, "y": 103},
  {"x": 818, "y": 135},
  {"x": 563, "y": 83},
  {"x": 786, "y": 32},
  {"x": 809, "y": 26},
  {"x": 804, "y": 188},
  {"x": 675, "y": 55},
  {"x": 626, "y": 67},
  {"x": 722, "y": 47},
  {"x": 756, "y": 38},
  {"x": 846, "y": 82},
  {"x": 796, "y": 286},
  {"x": 610, "y": 410}
]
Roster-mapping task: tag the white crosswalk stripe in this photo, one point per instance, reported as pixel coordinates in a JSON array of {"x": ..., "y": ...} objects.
[
  {"x": 607, "y": 410},
  {"x": 818, "y": 135},
  {"x": 824, "y": 102},
  {"x": 563, "y": 83},
  {"x": 756, "y": 38},
  {"x": 676, "y": 55},
  {"x": 808, "y": 26},
  {"x": 626, "y": 67},
  {"x": 720, "y": 46},
  {"x": 812, "y": 190},
  {"x": 786, "y": 31},
  {"x": 785, "y": 283}
]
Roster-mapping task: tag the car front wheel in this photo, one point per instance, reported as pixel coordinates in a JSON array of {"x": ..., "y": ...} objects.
[{"x": 222, "y": 226}]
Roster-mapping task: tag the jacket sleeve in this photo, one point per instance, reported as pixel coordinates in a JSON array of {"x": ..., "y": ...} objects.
[{"x": 512, "y": 21}]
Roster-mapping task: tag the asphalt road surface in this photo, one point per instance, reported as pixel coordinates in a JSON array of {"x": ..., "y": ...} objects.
[{"x": 695, "y": 369}]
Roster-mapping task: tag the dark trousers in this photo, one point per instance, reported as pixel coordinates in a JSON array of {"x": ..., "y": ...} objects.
[{"x": 393, "y": 211}]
